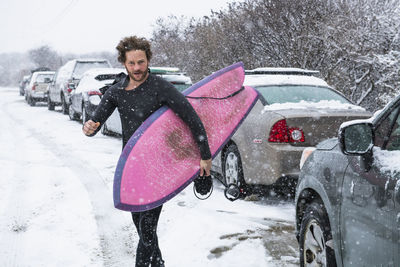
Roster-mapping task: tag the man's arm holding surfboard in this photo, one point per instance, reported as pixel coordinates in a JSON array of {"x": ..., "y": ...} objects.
[
  {"x": 179, "y": 104},
  {"x": 176, "y": 101}
]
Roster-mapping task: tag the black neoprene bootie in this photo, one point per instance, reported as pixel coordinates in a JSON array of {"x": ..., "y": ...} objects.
[{"x": 203, "y": 185}]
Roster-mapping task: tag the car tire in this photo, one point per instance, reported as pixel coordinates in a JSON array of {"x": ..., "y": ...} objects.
[
  {"x": 64, "y": 105},
  {"x": 31, "y": 101},
  {"x": 104, "y": 130},
  {"x": 72, "y": 114},
  {"x": 315, "y": 233},
  {"x": 85, "y": 114},
  {"x": 50, "y": 104},
  {"x": 232, "y": 169}
]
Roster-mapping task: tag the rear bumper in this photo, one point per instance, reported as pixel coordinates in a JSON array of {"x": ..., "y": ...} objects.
[
  {"x": 38, "y": 96},
  {"x": 271, "y": 163}
]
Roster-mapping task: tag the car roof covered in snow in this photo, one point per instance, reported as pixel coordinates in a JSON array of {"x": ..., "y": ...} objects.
[{"x": 282, "y": 76}]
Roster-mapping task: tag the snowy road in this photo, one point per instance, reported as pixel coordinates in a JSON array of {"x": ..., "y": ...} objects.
[{"x": 56, "y": 205}]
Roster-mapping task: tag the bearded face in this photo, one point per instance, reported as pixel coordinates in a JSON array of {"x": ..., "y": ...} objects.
[{"x": 137, "y": 65}]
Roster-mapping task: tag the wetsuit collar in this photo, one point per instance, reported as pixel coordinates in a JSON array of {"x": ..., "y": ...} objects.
[{"x": 125, "y": 81}]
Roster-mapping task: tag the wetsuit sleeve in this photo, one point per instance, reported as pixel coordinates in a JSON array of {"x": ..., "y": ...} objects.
[
  {"x": 104, "y": 109},
  {"x": 181, "y": 107}
]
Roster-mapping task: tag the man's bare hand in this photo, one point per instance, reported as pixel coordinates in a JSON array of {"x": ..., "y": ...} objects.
[
  {"x": 205, "y": 165},
  {"x": 90, "y": 127}
]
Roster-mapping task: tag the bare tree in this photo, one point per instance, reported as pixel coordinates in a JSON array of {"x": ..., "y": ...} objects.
[
  {"x": 354, "y": 44},
  {"x": 45, "y": 56}
]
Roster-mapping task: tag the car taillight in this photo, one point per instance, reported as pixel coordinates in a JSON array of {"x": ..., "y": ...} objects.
[
  {"x": 280, "y": 133},
  {"x": 70, "y": 87},
  {"x": 34, "y": 87},
  {"x": 94, "y": 93}
]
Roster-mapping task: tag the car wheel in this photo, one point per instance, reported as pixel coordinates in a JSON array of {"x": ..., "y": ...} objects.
[
  {"x": 232, "y": 169},
  {"x": 316, "y": 238},
  {"x": 104, "y": 130},
  {"x": 85, "y": 115},
  {"x": 72, "y": 114},
  {"x": 31, "y": 101},
  {"x": 50, "y": 104},
  {"x": 64, "y": 105}
]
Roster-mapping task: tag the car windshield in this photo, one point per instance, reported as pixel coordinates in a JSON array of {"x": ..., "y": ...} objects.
[
  {"x": 81, "y": 67},
  {"x": 44, "y": 78},
  {"x": 297, "y": 93}
]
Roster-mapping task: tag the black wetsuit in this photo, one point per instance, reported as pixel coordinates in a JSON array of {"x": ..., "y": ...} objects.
[{"x": 135, "y": 106}]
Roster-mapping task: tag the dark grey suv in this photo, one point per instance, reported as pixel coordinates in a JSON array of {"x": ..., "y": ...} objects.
[{"x": 348, "y": 195}]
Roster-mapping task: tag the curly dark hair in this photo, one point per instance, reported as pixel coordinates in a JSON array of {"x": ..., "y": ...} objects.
[{"x": 133, "y": 43}]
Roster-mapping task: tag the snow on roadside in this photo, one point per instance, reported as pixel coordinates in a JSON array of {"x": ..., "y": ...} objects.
[
  {"x": 63, "y": 210},
  {"x": 45, "y": 211}
]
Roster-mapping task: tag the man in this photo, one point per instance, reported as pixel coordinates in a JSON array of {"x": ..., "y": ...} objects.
[{"x": 137, "y": 96}]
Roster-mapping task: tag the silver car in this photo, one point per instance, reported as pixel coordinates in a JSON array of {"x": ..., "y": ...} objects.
[
  {"x": 295, "y": 110},
  {"x": 86, "y": 97},
  {"x": 37, "y": 88},
  {"x": 348, "y": 195}
]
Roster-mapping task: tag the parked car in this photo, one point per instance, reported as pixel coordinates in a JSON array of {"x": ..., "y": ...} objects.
[
  {"x": 67, "y": 79},
  {"x": 86, "y": 97},
  {"x": 37, "y": 89},
  {"x": 22, "y": 84},
  {"x": 348, "y": 195},
  {"x": 295, "y": 110},
  {"x": 179, "y": 79}
]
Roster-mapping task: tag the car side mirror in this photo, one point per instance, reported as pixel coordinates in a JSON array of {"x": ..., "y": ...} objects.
[{"x": 357, "y": 139}]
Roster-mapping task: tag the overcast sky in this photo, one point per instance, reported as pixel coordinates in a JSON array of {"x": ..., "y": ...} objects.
[{"x": 82, "y": 26}]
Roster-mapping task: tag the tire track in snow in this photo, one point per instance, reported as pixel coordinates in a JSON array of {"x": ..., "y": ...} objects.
[
  {"x": 114, "y": 227},
  {"x": 10, "y": 210}
]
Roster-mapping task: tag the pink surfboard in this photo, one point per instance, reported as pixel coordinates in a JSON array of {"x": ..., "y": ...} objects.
[{"x": 162, "y": 158}]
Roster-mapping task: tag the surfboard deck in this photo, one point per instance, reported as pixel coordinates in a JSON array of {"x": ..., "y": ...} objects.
[{"x": 162, "y": 158}]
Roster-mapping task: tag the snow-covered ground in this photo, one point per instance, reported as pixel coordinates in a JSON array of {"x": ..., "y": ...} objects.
[{"x": 56, "y": 205}]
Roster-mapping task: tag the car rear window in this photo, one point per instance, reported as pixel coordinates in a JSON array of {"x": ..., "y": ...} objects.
[
  {"x": 81, "y": 67},
  {"x": 41, "y": 78},
  {"x": 296, "y": 93}
]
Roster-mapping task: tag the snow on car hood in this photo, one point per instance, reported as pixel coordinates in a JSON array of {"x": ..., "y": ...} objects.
[
  {"x": 387, "y": 161},
  {"x": 321, "y": 105}
]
